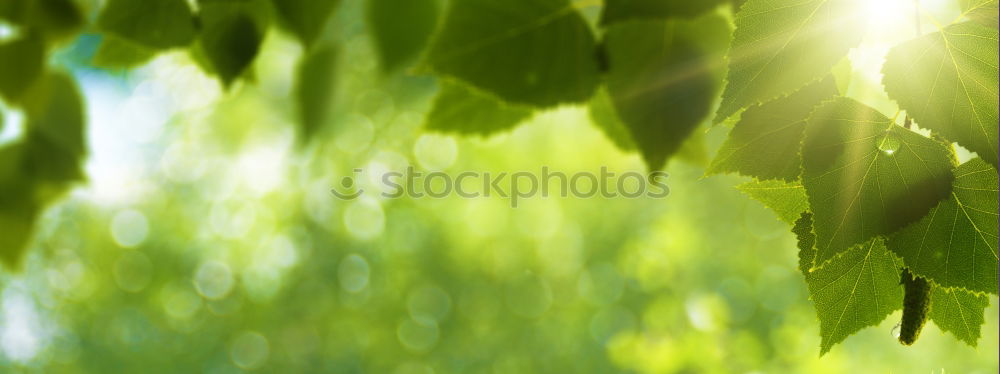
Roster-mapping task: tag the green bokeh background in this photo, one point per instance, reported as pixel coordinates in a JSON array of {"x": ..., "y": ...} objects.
[{"x": 206, "y": 240}]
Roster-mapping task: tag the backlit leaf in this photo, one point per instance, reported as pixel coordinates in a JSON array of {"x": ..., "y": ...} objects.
[
  {"x": 535, "y": 52},
  {"x": 661, "y": 80},
  {"x": 780, "y": 46},
  {"x": 947, "y": 81},
  {"x": 853, "y": 291},
  {"x": 787, "y": 200},
  {"x": 765, "y": 143},
  {"x": 464, "y": 110},
  {"x": 955, "y": 245},
  {"x": 866, "y": 176},
  {"x": 958, "y": 312}
]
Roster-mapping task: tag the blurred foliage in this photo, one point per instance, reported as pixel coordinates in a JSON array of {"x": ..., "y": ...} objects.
[{"x": 189, "y": 226}]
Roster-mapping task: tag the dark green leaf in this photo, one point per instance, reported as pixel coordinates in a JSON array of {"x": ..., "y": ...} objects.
[
  {"x": 118, "y": 53},
  {"x": 765, "y": 143},
  {"x": 231, "y": 36},
  {"x": 56, "y": 19},
  {"x": 401, "y": 29},
  {"x": 55, "y": 112},
  {"x": 856, "y": 289},
  {"x": 156, "y": 24},
  {"x": 464, "y": 110},
  {"x": 780, "y": 46},
  {"x": 958, "y": 312},
  {"x": 955, "y": 245},
  {"x": 787, "y": 200},
  {"x": 624, "y": 10},
  {"x": 315, "y": 86},
  {"x": 535, "y": 52},
  {"x": 947, "y": 81},
  {"x": 305, "y": 18},
  {"x": 21, "y": 63},
  {"x": 866, "y": 176},
  {"x": 661, "y": 80}
]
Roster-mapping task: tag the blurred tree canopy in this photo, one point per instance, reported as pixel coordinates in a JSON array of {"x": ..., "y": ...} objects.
[{"x": 165, "y": 168}]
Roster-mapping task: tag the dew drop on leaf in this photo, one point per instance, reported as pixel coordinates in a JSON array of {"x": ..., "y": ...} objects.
[{"x": 889, "y": 144}]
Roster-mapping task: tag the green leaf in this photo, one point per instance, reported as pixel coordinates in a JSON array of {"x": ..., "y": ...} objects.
[
  {"x": 780, "y": 46},
  {"x": 958, "y": 312},
  {"x": 624, "y": 10},
  {"x": 787, "y": 200},
  {"x": 156, "y": 24},
  {"x": 765, "y": 143},
  {"x": 984, "y": 12},
  {"x": 603, "y": 115},
  {"x": 305, "y": 18},
  {"x": 955, "y": 245},
  {"x": 18, "y": 211},
  {"x": 315, "y": 86},
  {"x": 534, "y": 52},
  {"x": 55, "y": 141},
  {"x": 64, "y": 127},
  {"x": 56, "y": 19},
  {"x": 854, "y": 290},
  {"x": 947, "y": 81},
  {"x": 806, "y": 242},
  {"x": 231, "y": 36},
  {"x": 401, "y": 29},
  {"x": 464, "y": 110},
  {"x": 661, "y": 80},
  {"x": 118, "y": 53},
  {"x": 866, "y": 176},
  {"x": 21, "y": 63}
]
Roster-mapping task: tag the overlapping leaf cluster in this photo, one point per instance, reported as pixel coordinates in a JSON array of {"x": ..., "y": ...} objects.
[{"x": 867, "y": 196}]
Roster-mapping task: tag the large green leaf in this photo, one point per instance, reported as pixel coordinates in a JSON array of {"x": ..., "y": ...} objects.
[
  {"x": 765, "y": 143},
  {"x": 315, "y": 84},
  {"x": 787, "y": 200},
  {"x": 157, "y": 24},
  {"x": 21, "y": 63},
  {"x": 958, "y": 312},
  {"x": 401, "y": 29},
  {"x": 624, "y": 10},
  {"x": 464, "y": 110},
  {"x": 947, "y": 81},
  {"x": 305, "y": 18},
  {"x": 661, "y": 79},
  {"x": 854, "y": 290},
  {"x": 866, "y": 176},
  {"x": 535, "y": 52},
  {"x": 955, "y": 245},
  {"x": 231, "y": 36},
  {"x": 780, "y": 46}
]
